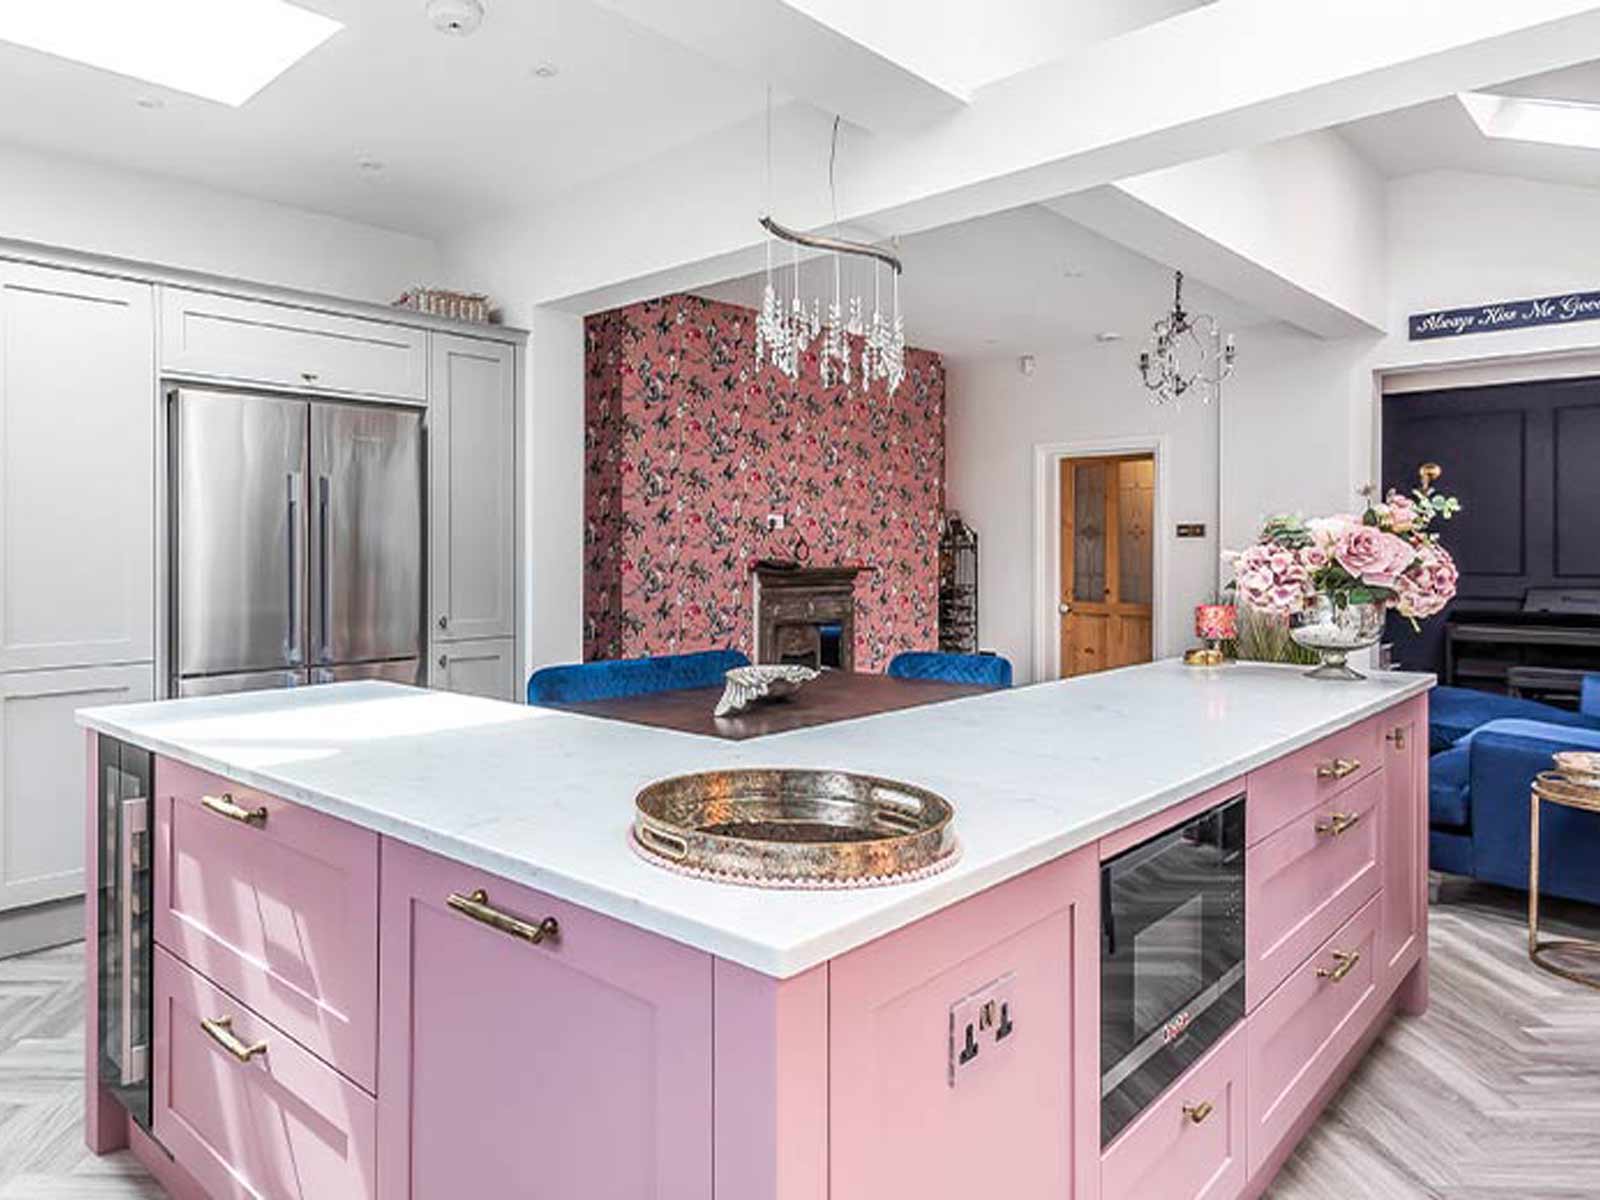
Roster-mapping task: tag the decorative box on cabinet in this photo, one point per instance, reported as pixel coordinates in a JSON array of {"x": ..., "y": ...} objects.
[
  {"x": 584, "y": 1059},
  {"x": 486, "y": 668},
  {"x": 207, "y": 336},
  {"x": 77, "y": 470},
  {"x": 472, "y": 449},
  {"x": 42, "y": 765}
]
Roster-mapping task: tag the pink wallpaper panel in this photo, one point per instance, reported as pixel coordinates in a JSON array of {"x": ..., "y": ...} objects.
[{"x": 689, "y": 445}]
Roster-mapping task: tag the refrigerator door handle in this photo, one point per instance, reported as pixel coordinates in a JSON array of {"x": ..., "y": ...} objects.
[
  {"x": 292, "y": 639},
  {"x": 324, "y": 583}
]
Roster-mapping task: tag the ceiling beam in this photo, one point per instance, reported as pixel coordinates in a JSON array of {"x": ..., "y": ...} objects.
[
  {"x": 1233, "y": 74},
  {"x": 801, "y": 54}
]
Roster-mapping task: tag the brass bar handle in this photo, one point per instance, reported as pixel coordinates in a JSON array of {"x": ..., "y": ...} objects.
[
  {"x": 1339, "y": 768},
  {"x": 1197, "y": 1113},
  {"x": 221, "y": 1031},
  {"x": 475, "y": 904},
  {"x": 1346, "y": 960},
  {"x": 224, "y": 806},
  {"x": 1338, "y": 824}
]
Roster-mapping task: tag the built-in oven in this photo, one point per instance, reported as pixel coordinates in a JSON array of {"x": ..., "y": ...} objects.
[
  {"x": 126, "y": 902},
  {"x": 1172, "y": 957}
]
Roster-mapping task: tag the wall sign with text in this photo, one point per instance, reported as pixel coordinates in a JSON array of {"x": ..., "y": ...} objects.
[{"x": 1507, "y": 314}]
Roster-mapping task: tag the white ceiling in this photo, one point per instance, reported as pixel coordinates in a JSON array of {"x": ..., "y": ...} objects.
[
  {"x": 1026, "y": 281},
  {"x": 1441, "y": 136},
  {"x": 464, "y": 129}
]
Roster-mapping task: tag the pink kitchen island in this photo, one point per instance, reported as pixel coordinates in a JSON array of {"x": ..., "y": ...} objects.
[{"x": 1186, "y": 902}]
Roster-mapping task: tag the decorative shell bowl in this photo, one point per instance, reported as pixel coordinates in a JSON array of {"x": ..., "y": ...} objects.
[{"x": 746, "y": 685}]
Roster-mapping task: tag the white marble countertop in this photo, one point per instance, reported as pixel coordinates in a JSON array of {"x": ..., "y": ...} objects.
[{"x": 545, "y": 798}]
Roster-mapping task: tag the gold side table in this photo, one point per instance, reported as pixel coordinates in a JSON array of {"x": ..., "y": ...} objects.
[{"x": 1552, "y": 787}]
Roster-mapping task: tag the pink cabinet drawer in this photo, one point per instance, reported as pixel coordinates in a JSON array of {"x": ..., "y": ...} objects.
[
  {"x": 1190, "y": 1143},
  {"x": 1282, "y": 790},
  {"x": 1298, "y": 1037},
  {"x": 282, "y": 1125},
  {"x": 281, "y": 910},
  {"x": 1307, "y": 879}
]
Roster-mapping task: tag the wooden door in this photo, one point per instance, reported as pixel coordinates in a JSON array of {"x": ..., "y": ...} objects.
[
  {"x": 579, "y": 1068},
  {"x": 1107, "y": 562},
  {"x": 77, "y": 470},
  {"x": 472, "y": 418}
]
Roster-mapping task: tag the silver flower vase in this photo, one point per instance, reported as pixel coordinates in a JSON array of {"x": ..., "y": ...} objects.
[{"x": 1334, "y": 630}]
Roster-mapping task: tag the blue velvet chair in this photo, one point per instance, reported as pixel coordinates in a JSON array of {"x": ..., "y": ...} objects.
[
  {"x": 987, "y": 670},
  {"x": 1454, "y": 712},
  {"x": 576, "y": 683},
  {"x": 1478, "y": 793}
]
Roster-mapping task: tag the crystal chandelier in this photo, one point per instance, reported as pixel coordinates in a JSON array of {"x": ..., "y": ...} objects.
[
  {"x": 853, "y": 347},
  {"x": 1186, "y": 353}
]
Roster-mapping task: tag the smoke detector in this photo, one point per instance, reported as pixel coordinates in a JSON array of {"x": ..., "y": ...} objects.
[{"x": 455, "y": 17}]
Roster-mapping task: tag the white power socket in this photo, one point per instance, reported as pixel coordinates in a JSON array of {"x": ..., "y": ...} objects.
[{"x": 776, "y": 521}]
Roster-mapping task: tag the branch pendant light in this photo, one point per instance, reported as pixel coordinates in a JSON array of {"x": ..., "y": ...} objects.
[
  {"x": 852, "y": 348},
  {"x": 1187, "y": 353}
]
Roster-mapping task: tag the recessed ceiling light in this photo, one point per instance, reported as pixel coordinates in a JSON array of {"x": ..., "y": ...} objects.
[
  {"x": 370, "y": 165},
  {"x": 1109, "y": 335},
  {"x": 223, "y": 50},
  {"x": 546, "y": 71},
  {"x": 455, "y": 17},
  {"x": 1535, "y": 119},
  {"x": 1072, "y": 272},
  {"x": 151, "y": 102}
]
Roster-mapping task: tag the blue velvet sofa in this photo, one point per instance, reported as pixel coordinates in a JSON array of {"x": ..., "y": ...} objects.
[{"x": 1478, "y": 789}]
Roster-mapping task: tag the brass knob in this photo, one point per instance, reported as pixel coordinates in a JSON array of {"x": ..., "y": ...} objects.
[{"x": 1197, "y": 1113}]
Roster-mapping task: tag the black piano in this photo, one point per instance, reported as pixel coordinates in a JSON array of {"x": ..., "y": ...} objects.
[{"x": 1540, "y": 649}]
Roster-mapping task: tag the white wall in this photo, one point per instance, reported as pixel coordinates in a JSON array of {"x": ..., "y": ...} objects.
[
  {"x": 63, "y": 203},
  {"x": 995, "y": 418}
]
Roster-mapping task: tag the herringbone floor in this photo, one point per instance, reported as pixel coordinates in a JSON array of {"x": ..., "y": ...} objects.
[{"x": 1493, "y": 1095}]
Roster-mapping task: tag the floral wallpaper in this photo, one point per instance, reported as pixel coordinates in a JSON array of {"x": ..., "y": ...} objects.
[{"x": 689, "y": 445}]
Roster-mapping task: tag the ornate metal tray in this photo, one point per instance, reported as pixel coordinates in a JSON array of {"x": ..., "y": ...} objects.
[{"x": 794, "y": 828}]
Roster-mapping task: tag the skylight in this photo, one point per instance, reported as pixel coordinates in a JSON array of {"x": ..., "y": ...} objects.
[
  {"x": 224, "y": 50},
  {"x": 1534, "y": 119}
]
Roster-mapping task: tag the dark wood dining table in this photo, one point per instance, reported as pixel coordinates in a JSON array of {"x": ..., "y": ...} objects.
[{"x": 832, "y": 696}]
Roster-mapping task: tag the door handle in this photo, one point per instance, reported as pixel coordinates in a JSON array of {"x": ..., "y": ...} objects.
[
  {"x": 1339, "y": 823},
  {"x": 1339, "y": 768},
  {"x": 224, "y": 806},
  {"x": 1345, "y": 961},
  {"x": 475, "y": 904},
  {"x": 325, "y": 596},
  {"x": 1064, "y": 609},
  {"x": 444, "y": 621},
  {"x": 293, "y": 638},
  {"x": 221, "y": 1032}
]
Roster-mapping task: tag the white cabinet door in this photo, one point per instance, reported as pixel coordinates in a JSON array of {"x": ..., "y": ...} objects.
[
  {"x": 473, "y": 454},
  {"x": 251, "y": 341},
  {"x": 42, "y": 768},
  {"x": 477, "y": 668},
  {"x": 77, "y": 469}
]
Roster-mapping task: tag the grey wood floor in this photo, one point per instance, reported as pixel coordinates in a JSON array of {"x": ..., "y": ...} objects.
[{"x": 1493, "y": 1095}]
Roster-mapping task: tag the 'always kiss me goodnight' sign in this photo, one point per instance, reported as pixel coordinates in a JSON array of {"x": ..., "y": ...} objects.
[{"x": 1508, "y": 314}]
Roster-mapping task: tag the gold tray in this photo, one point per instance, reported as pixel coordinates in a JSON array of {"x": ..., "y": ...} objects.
[{"x": 826, "y": 827}]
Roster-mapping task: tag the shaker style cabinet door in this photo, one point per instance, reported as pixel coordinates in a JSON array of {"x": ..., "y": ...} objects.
[
  {"x": 41, "y": 775},
  {"x": 77, "y": 470},
  {"x": 1405, "y": 842},
  {"x": 472, "y": 418},
  {"x": 485, "y": 669},
  {"x": 577, "y": 1065}
]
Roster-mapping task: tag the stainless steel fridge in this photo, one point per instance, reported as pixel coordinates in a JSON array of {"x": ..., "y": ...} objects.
[{"x": 297, "y": 542}]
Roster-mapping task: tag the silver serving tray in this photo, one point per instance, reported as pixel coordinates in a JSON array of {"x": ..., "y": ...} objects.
[{"x": 828, "y": 827}]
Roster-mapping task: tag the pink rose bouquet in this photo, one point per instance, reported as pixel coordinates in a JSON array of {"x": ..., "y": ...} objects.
[{"x": 1384, "y": 556}]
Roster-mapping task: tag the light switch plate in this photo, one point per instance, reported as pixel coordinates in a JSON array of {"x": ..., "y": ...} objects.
[{"x": 982, "y": 1027}]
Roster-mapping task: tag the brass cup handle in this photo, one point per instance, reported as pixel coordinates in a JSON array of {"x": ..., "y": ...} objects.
[
  {"x": 1339, "y": 768},
  {"x": 224, "y": 806},
  {"x": 221, "y": 1032},
  {"x": 475, "y": 904},
  {"x": 1346, "y": 961},
  {"x": 1339, "y": 823},
  {"x": 1197, "y": 1113}
]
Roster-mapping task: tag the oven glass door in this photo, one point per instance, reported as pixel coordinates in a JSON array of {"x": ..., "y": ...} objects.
[{"x": 1172, "y": 957}]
